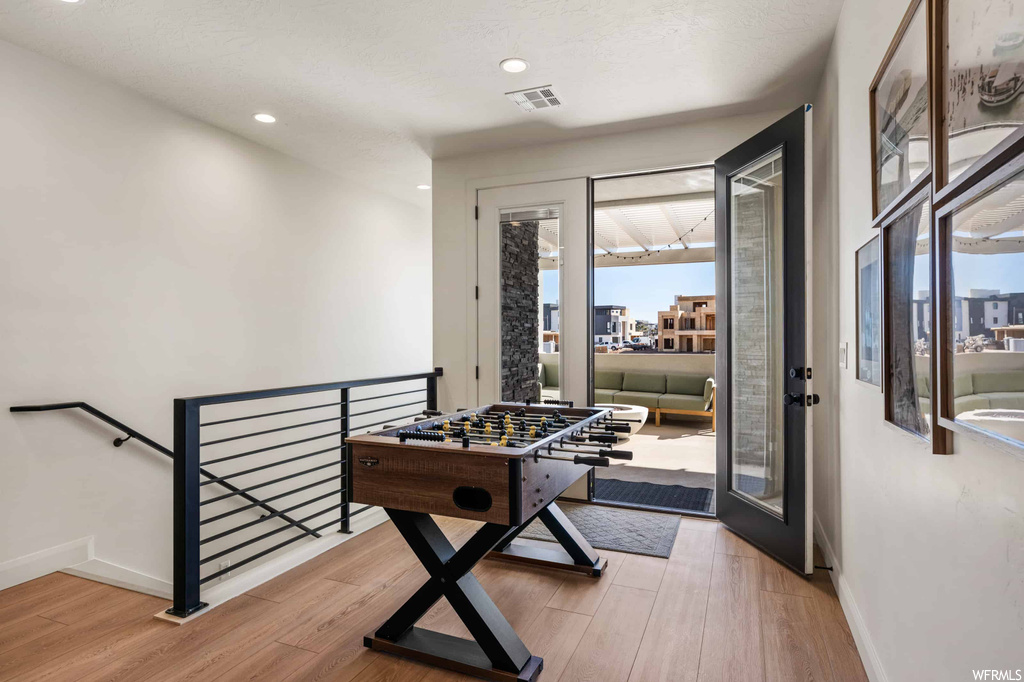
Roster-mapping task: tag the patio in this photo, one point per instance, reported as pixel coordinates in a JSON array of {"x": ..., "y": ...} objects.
[{"x": 679, "y": 452}]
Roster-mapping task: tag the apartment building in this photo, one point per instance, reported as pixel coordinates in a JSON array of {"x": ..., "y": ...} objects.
[{"x": 688, "y": 326}]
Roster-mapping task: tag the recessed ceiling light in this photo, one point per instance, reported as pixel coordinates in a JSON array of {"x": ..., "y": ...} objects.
[
  {"x": 422, "y": 186},
  {"x": 71, "y": 2},
  {"x": 264, "y": 118},
  {"x": 514, "y": 65}
]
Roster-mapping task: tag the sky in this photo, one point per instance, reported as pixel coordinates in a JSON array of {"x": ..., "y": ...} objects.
[{"x": 644, "y": 289}]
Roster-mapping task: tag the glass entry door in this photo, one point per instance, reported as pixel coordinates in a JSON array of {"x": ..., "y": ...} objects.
[{"x": 762, "y": 233}]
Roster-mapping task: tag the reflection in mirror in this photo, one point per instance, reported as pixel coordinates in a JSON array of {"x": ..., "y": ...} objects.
[
  {"x": 757, "y": 329},
  {"x": 985, "y": 78},
  {"x": 908, "y": 332},
  {"x": 901, "y": 114},
  {"x": 869, "y": 313},
  {"x": 987, "y": 242}
]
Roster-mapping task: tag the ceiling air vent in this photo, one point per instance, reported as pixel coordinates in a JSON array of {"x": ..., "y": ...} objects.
[{"x": 535, "y": 98}]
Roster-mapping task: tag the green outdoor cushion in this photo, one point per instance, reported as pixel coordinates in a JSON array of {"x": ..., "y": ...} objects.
[
  {"x": 645, "y": 383},
  {"x": 1005, "y": 400},
  {"x": 970, "y": 402},
  {"x": 922, "y": 386},
  {"x": 643, "y": 398},
  {"x": 550, "y": 374},
  {"x": 608, "y": 380},
  {"x": 674, "y": 401},
  {"x": 963, "y": 385},
  {"x": 998, "y": 382},
  {"x": 604, "y": 395},
  {"x": 685, "y": 384}
]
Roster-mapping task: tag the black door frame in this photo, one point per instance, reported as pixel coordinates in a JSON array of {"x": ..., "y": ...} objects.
[{"x": 785, "y": 537}]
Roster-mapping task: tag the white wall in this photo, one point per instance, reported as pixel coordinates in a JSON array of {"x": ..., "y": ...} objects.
[
  {"x": 455, "y": 181},
  {"x": 146, "y": 256},
  {"x": 929, "y": 549}
]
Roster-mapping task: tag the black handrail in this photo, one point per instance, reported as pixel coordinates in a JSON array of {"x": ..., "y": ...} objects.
[{"x": 132, "y": 433}]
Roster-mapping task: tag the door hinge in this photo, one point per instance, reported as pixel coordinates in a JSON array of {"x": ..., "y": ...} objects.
[
  {"x": 476, "y": 295},
  {"x": 476, "y": 212},
  {"x": 478, "y": 372}
]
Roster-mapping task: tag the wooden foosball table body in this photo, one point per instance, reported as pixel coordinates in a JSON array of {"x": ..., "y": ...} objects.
[{"x": 458, "y": 465}]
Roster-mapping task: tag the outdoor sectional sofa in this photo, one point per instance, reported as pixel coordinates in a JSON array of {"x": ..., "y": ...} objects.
[
  {"x": 979, "y": 391},
  {"x": 661, "y": 393}
]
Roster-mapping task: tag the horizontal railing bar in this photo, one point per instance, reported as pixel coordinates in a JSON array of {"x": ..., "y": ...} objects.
[
  {"x": 392, "y": 419},
  {"x": 268, "y": 466},
  {"x": 387, "y": 395},
  {"x": 388, "y": 407},
  {"x": 266, "y": 535},
  {"x": 271, "y": 447},
  {"x": 261, "y": 519},
  {"x": 263, "y": 433},
  {"x": 360, "y": 510},
  {"x": 263, "y": 485},
  {"x": 265, "y": 552},
  {"x": 271, "y": 414},
  {"x": 312, "y": 388},
  {"x": 239, "y": 510}
]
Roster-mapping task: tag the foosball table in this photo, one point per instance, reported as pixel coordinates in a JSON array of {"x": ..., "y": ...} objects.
[{"x": 503, "y": 465}]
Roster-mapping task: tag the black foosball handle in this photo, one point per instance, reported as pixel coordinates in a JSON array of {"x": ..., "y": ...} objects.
[
  {"x": 591, "y": 461},
  {"x": 619, "y": 454},
  {"x": 617, "y": 428}
]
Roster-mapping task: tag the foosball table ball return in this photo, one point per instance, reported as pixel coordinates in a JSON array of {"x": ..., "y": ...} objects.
[{"x": 504, "y": 465}]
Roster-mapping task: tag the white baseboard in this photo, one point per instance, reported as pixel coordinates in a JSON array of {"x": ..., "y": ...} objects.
[
  {"x": 77, "y": 558},
  {"x": 44, "y": 562},
  {"x": 119, "y": 576},
  {"x": 233, "y": 587},
  {"x": 866, "y": 648}
]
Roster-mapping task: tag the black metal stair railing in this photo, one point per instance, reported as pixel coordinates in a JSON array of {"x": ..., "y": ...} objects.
[
  {"x": 132, "y": 433},
  {"x": 277, "y": 455}
]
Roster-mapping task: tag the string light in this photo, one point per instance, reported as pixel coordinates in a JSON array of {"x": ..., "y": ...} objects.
[{"x": 667, "y": 247}]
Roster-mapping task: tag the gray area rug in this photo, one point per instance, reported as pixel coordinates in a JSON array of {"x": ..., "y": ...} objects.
[
  {"x": 653, "y": 494},
  {"x": 620, "y": 530}
]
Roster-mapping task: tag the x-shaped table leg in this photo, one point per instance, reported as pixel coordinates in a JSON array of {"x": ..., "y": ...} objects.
[{"x": 498, "y": 652}]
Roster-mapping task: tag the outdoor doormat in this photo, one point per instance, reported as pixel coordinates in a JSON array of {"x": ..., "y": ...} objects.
[
  {"x": 653, "y": 494},
  {"x": 620, "y": 530}
]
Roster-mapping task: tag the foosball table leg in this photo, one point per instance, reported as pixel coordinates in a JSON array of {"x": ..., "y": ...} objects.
[
  {"x": 497, "y": 654},
  {"x": 575, "y": 553}
]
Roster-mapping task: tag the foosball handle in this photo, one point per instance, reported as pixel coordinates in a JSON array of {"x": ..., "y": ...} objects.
[
  {"x": 617, "y": 428},
  {"x": 591, "y": 461},
  {"x": 432, "y": 413},
  {"x": 601, "y": 438},
  {"x": 619, "y": 454}
]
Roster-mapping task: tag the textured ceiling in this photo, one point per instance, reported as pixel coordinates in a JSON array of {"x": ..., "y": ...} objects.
[{"x": 374, "y": 89}]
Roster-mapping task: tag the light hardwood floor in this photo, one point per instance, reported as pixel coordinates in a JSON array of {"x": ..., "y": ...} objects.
[{"x": 717, "y": 609}]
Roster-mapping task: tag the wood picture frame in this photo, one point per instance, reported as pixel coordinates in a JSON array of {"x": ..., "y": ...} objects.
[{"x": 903, "y": 81}]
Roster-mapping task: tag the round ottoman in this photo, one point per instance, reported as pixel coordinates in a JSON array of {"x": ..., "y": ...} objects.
[{"x": 636, "y": 413}]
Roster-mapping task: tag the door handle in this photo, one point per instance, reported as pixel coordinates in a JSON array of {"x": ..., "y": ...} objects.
[{"x": 793, "y": 399}]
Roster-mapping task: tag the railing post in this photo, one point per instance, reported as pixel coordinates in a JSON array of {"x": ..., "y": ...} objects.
[
  {"x": 186, "y": 509},
  {"x": 432, "y": 388},
  {"x": 346, "y": 462}
]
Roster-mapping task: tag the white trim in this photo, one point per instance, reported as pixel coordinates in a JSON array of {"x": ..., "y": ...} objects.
[
  {"x": 229, "y": 589},
  {"x": 119, "y": 576},
  {"x": 46, "y": 561},
  {"x": 865, "y": 647}
]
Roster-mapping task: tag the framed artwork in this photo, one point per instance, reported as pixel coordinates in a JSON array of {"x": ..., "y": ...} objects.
[
  {"x": 900, "y": 128},
  {"x": 983, "y": 80},
  {"x": 907, "y": 336},
  {"x": 869, "y": 313}
]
